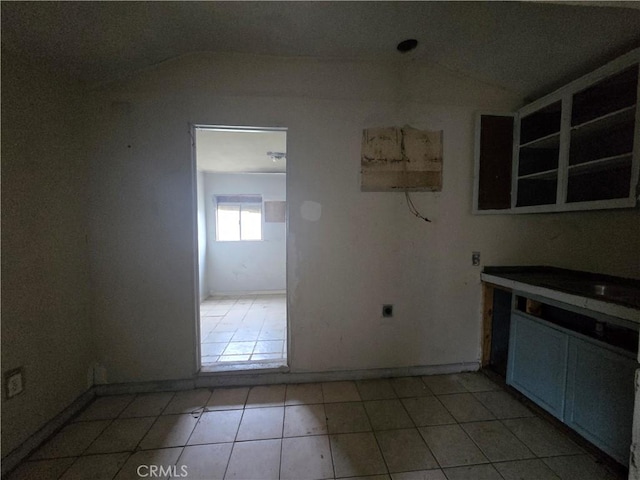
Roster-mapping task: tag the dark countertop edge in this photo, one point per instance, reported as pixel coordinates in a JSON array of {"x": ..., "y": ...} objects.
[
  {"x": 531, "y": 275},
  {"x": 575, "y": 274}
]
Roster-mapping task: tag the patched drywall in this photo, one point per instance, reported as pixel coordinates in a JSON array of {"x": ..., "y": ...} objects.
[
  {"x": 362, "y": 250},
  {"x": 311, "y": 211},
  {"x": 401, "y": 159}
]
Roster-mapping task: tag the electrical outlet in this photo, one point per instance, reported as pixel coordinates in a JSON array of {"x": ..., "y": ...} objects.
[
  {"x": 475, "y": 259},
  {"x": 387, "y": 310},
  {"x": 13, "y": 382}
]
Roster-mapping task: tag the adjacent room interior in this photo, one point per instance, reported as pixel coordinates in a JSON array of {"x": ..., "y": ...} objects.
[
  {"x": 433, "y": 272},
  {"x": 241, "y": 191}
]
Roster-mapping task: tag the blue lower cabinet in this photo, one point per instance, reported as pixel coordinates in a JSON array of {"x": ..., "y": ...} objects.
[
  {"x": 585, "y": 383},
  {"x": 600, "y": 396},
  {"x": 537, "y": 364}
]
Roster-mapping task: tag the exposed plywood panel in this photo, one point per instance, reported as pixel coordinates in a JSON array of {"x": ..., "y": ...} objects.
[
  {"x": 487, "y": 321},
  {"x": 401, "y": 158}
]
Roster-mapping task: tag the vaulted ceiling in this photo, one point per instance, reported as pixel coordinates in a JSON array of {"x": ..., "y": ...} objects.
[{"x": 527, "y": 47}]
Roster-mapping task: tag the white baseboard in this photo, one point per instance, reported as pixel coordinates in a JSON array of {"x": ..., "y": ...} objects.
[
  {"x": 13, "y": 459},
  {"x": 248, "y": 292},
  {"x": 235, "y": 378},
  {"x": 278, "y": 376},
  {"x": 145, "y": 387}
]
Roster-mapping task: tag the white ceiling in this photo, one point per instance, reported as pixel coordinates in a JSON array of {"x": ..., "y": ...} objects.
[
  {"x": 530, "y": 48},
  {"x": 527, "y": 47},
  {"x": 232, "y": 151}
]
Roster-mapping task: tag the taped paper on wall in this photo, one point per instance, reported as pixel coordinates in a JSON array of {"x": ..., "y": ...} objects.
[{"x": 401, "y": 158}]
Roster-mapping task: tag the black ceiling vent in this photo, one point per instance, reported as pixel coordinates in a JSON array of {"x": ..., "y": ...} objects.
[{"x": 407, "y": 45}]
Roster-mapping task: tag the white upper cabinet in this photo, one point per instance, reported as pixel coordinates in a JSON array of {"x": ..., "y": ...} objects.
[{"x": 575, "y": 149}]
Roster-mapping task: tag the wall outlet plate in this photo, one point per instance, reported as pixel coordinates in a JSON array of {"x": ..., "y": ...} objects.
[
  {"x": 13, "y": 382},
  {"x": 475, "y": 259}
]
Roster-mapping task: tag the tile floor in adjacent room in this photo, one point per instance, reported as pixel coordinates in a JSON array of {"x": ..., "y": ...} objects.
[
  {"x": 451, "y": 427},
  {"x": 243, "y": 329}
]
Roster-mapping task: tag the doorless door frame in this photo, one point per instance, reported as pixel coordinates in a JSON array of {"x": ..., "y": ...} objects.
[{"x": 194, "y": 213}]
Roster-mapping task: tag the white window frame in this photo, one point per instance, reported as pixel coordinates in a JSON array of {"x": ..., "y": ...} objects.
[{"x": 240, "y": 201}]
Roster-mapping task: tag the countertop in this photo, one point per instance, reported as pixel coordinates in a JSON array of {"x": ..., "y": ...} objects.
[{"x": 614, "y": 296}]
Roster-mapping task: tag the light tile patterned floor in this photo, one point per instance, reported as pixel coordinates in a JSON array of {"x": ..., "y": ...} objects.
[
  {"x": 246, "y": 328},
  {"x": 431, "y": 428}
]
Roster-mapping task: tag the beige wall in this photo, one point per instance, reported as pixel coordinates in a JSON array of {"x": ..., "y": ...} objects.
[
  {"x": 45, "y": 270},
  {"x": 125, "y": 295},
  {"x": 363, "y": 251}
]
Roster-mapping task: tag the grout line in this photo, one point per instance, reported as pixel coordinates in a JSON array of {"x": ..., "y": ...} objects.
[
  {"x": 284, "y": 416},
  {"x": 326, "y": 421},
  {"x": 111, "y": 421},
  {"x": 373, "y": 432},
  {"x": 61, "y": 473},
  {"x": 135, "y": 449},
  {"x": 173, "y": 395},
  {"x": 121, "y": 467},
  {"x": 235, "y": 437},
  {"x": 204, "y": 409}
]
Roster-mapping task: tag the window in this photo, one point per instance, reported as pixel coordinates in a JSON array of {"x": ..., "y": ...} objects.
[{"x": 238, "y": 217}]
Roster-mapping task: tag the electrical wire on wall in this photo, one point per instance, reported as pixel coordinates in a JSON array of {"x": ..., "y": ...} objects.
[
  {"x": 407, "y": 196},
  {"x": 412, "y": 207},
  {"x": 405, "y": 47}
]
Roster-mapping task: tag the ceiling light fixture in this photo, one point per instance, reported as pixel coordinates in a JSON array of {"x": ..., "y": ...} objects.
[
  {"x": 407, "y": 45},
  {"x": 274, "y": 156}
]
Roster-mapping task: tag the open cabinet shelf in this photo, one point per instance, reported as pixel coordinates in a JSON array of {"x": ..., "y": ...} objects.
[
  {"x": 544, "y": 175},
  {"x": 605, "y": 122},
  {"x": 610, "y": 137},
  {"x": 612, "y": 94},
  {"x": 600, "y": 180},
  {"x": 575, "y": 149},
  {"x": 541, "y": 124},
  {"x": 537, "y": 160}
]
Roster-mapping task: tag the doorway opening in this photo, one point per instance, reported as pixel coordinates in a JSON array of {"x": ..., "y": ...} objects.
[{"x": 242, "y": 233}]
